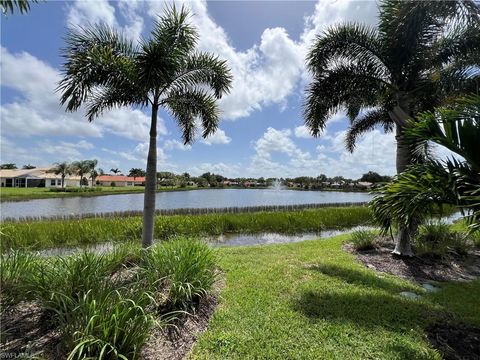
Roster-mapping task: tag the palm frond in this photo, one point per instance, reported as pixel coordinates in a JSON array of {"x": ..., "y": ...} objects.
[
  {"x": 203, "y": 69},
  {"x": 189, "y": 105},
  {"x": 95, "y": 56},
  {"x": 353, "y": 42},
  {"x": 342, "y": 86},
  {"x": 22, "y": 5},
  {"x": 367, "y": 122},
  {"x": 108, "y": 98}
]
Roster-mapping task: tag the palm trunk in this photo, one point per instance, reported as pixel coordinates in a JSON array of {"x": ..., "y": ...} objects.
[
  {"x": 402, "y": 243},
  {"x": 63, "y": 181},
  {"x": 150, "y": 183}
]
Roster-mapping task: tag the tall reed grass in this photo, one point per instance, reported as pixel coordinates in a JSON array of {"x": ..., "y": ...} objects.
[{"x": 45, "y": 234}]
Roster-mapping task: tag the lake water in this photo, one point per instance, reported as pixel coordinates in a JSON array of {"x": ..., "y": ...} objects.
[{"x": 211, "y": 198}]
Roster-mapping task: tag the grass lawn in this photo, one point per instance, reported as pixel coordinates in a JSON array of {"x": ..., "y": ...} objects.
[{"x": 312, "y": 300}]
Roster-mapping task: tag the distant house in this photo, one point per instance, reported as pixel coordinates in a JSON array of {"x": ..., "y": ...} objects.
[
  {"x": 38, "y": 177},
  {"x": 119, "y": 180},
  {"x": 364, "y": 184}
]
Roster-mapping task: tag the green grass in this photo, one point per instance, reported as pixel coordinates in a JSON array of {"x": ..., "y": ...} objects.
[
  {"x": 104, "y": 306},
  {"x": 363, "y": 239},
  {"x": 311, "y": 300},
  {"x": 46, "y": 234}
]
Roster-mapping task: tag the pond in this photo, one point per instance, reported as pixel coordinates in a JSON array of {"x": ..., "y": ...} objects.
[{"x": 211, "y": 198}]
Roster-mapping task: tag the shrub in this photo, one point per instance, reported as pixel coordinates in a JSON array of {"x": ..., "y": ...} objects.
[
  {"x": 363, "y": 239},
  {"x": 184, "y": 268},
  {"x": 436, "y": 239},
  {"x": 108, "y": 325}
]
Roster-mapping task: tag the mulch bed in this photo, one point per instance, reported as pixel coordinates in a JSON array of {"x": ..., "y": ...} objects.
[
  {"x": 455, "y": 342},
  {"x": 23, "y": 334},
  {"x": 420, "y": 269}
]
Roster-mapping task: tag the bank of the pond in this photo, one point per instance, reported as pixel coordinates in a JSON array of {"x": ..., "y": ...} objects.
[
  {"x": 23, "y": 194},
  {"x": 312, "y": 300},
  {"x": 48, "y": 234}
]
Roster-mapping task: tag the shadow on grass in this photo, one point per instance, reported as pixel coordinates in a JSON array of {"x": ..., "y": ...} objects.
[
  {"x": 365, "y": 305},
  {"x": 360, "y": 277}
]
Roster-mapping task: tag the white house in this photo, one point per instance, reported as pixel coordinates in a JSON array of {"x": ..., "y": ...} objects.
[{"x": 38, "y": 177}]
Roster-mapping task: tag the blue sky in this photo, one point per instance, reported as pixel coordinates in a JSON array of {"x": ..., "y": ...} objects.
[{"x": 261, "y": 132}]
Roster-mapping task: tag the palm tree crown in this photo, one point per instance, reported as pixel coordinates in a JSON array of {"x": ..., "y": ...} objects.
[{"x": 104, "y": 70}]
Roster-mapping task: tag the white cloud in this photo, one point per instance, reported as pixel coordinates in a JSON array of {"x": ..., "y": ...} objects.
[
  {"x": 38, "y": 112},
  {"x": 87, "y": 12},
  {"x": 172, "y": 144},
  {"x": 228, "y": 170},
  {"x": 217, "y": 138},
  {"x": 302, "y": 132}
]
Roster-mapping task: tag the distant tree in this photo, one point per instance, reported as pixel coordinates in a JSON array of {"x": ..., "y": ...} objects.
[
  {"x": 81, "y": 168},
  {"x": 92, "y": 164},
  {"x": 63, "y": 169},
  {"x": 28, "y": 167},
  {"x": 372, "y": 177},
  {"x": 21, "y": 5},
  {"x": 186, "y": 175},
  {"x": 115, "y": 171},
  {"x": 136, "y": 172},
  {"x": 9, "y": 166}
]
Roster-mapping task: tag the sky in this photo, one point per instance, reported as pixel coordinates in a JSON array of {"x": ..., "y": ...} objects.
[{"x": 261, "y": 132}]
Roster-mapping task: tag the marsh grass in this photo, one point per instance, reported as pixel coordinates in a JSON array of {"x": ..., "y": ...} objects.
[
  {"x": 104, "y": 305},
  {"x": 47, "y": 234}
]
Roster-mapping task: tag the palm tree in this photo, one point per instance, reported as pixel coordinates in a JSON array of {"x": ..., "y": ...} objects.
[
  {"x": 63, "y": 169},
  {"x": 421, "y": 53},
  {"x": 81, "y": 168},
  {"x": 410, "y": 196},
  {"x": 93, "y": 173},
  {"x": 136, "y": 172},
  {"x": 115, "y": 171},
  {"x": 103, "y": 70}
]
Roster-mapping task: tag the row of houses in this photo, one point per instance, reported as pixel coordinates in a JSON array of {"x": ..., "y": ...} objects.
[{"x": 43, "y": 177}]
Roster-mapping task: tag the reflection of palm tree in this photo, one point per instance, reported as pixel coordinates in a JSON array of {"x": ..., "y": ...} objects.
[
  {"x": 457, "y": 182},
  {"x": 105, "y": 71},
  {"x": 115, "y": 171},
  {"x": 384, "y": 76}
]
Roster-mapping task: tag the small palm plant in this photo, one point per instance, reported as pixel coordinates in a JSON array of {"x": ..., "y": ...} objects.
[{"x": 103, "y": 70}]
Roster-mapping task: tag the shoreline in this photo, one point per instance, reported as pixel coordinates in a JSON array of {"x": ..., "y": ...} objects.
[{"x": 108, "y": 191}]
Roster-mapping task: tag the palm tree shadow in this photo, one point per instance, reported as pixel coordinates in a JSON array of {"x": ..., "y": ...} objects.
[
  {"x": 365, "y": 307},
  {"x": 364, "y": 278}
]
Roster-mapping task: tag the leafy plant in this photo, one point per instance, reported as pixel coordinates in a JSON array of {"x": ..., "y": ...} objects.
[
  {"x": 184, "y": 267},
  {"x": 363, "y": 239}
]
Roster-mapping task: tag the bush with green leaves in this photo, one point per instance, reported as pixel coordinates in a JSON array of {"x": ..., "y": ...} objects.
[
  {"x": 436, "y": 239},
  {"x": 363, "y": 239},
  {"x": 184, "y": 268}
]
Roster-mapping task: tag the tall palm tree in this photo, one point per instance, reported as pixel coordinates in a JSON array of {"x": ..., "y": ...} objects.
[
  {"x": 104, "y": 70},
  {"x": 115, "y": 171},
  {"x": 81, "y": 168},
  {"x": 421, "y": 53},
  {"x": 63, "y": 169}
]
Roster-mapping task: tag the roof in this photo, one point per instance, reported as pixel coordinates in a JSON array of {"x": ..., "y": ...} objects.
[
  {"x": 38, "y": 173},
  {"x": 120, "y": 178}
]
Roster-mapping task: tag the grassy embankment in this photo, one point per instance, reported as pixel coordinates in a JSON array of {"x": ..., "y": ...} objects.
[
  {"x": 46, "y": 234},
  {"x": 308, "y": 300},
  {"x": 19, "y": 194},
  {"x": 312, "y": 300}
]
